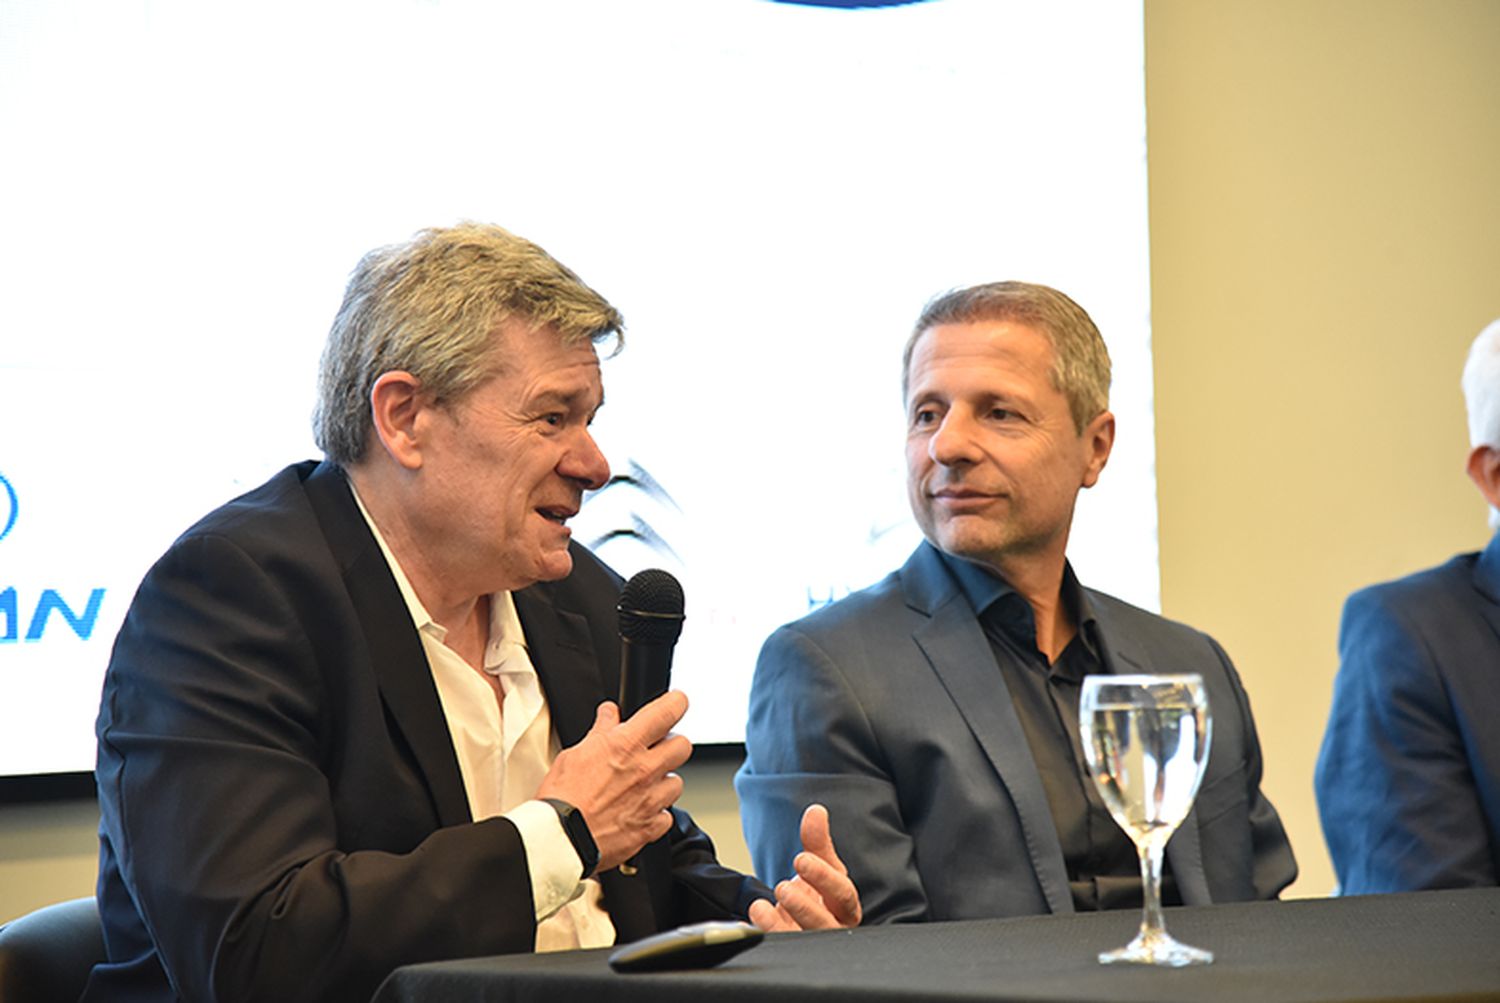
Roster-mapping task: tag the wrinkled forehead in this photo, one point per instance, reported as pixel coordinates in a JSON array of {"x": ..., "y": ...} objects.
[{"x": 983, "y": 344}]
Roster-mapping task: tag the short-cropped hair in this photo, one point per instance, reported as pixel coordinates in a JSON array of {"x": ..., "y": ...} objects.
[
  {"x": 431, "y": 306},
  {"x": 1080, "y": 368},
  {"x": 1481, "y": 384}
]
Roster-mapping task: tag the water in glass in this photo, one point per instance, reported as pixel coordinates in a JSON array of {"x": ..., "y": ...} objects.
[{"x": 1146, "y": 740}]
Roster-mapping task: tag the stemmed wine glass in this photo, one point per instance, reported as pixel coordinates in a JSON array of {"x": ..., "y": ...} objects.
[{"x": 1146, "y": 742}]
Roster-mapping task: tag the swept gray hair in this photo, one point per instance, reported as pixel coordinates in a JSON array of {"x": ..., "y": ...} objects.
[
  {"x": 430, "y": 306},
  {"x": 1081, "y": 367}
]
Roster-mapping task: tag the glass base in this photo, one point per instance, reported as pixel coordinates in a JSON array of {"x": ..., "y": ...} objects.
[{"x": 1157, "y": 948}]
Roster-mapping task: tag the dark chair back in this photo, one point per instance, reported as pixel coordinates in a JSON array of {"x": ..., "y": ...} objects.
[{"x": 46, "y": 955}]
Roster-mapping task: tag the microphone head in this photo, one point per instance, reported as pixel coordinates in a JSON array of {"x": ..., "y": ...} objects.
[{"x": 651, "y": 608}]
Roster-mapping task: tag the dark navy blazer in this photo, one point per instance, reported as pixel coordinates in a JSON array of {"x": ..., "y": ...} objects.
[
  {"x": 282, "y": 812},
  {"x": 1408, "y": 778}
]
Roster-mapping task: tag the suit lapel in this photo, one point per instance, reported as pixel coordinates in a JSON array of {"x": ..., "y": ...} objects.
[
  {"x": 1123, "y": 656},
  {"x": 561, "y": 649},
  {"x": 1487, "y": 582},
  {"x": 567, "y": 664},
  {"x": 563, "y": 654},
  {"x": 955, "y": 645},
  {"x": 394, "y": 649}
]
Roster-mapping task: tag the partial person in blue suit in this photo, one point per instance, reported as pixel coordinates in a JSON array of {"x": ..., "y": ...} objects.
[
  {"x": 1408, "y": 778},
  {"x": 936, "y": 713}
]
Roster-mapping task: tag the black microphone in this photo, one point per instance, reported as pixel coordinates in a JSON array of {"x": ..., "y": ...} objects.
[{"x": 650, "y": 622}]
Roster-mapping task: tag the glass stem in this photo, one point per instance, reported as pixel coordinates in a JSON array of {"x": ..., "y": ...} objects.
[{"x": 1151, "y": 921}]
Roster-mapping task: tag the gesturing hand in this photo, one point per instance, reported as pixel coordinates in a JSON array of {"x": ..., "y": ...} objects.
[
  {"x": 620, "y": 776},
  {"x": 821, "y": 896}
]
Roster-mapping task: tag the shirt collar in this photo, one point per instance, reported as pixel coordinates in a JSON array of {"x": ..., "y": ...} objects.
[{"x": 987, "y": 592}]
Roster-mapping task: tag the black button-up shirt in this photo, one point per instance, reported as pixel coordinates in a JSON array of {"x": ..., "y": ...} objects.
[{"x": 1103, "y": 865}]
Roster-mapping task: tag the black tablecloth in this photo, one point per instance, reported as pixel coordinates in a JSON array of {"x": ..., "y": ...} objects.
[{"x": 1425, "y": 945}]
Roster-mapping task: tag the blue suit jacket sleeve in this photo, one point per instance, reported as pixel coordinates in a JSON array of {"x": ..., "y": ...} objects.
[{"x": 1395, "y": 789}]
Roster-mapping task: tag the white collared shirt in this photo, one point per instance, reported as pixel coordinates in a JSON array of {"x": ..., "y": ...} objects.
[{"x": 504, "y": 750}]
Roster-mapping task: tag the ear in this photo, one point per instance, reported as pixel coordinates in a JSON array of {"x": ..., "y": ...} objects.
[
  {"x": 1484, "y": 471},
  {"x": 396, "y": 403},
  {"x": 1098, "y": 439}
]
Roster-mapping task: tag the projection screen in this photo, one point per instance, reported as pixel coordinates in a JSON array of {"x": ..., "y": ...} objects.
[{"x": 769, "y": 191}]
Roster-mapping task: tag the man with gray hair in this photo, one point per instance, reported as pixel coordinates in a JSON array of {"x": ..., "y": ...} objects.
[
  {"x": 1408, "y": 779},
  {"x": 360, "y": 717},
  {"x": 936, "y": 713}
]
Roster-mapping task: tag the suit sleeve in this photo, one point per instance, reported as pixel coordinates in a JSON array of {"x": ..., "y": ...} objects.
[
  {"x": 1272, "y": 863},
  {"x": 1397, "y": 799},
  {"x": 808, "y": 740},
  {"x": 702, "y": 888},
  {"x": 215, "y": 797}
]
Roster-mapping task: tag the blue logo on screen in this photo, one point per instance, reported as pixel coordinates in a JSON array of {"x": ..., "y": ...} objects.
[
  {"x": 8, "y": 507},
  {"x": 12, "y": 613}
]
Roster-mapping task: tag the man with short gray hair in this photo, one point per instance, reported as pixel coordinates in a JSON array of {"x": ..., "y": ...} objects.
[
  {"x": 936, "y": 713},
  {"x": 1408, "y": 779},
  {"x": 361, "y": 716}
]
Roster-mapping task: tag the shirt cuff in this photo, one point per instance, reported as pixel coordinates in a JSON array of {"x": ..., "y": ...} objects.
[{"x": 556, "y": 871}]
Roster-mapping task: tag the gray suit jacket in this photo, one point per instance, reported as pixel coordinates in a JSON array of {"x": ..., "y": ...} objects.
[
  {"x": 1408, "y": 779},
  {"x": 888, "y": 708}
]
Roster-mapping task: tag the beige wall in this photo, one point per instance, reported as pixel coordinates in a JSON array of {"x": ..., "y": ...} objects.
[
  {"x": 1325, "y": 218},
  {"x": 48, "y": 853},
  {"x": 1325, "y": 241}
]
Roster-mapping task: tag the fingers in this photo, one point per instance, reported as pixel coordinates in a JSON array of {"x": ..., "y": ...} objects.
[
  {"x": 664, "y": 751},
  {"x": 832, "y": 887},
  {"x": 819, "y": 865},
  {"x": 628, "y": 835},
  {"x": 821, "y": 896},
  {"x": 664, "y": 794},
  {"x": 651, "y": 727},
  {"x": 645, "y": 811},
  {"x": 657, "y": 826},
  {"x": 606, "y": 716},
  {"x": 769, "y": 918},
  {"x": 652, "y": 722},
  {"x": 816, "y": 837},
  {"x": 804, "y": 906},
  {"x": 621, "y": 775},
  {"x": 670, "y": 753}
]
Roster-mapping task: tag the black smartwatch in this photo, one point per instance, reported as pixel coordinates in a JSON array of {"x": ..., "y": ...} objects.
[{"x": 578, "y": 832}]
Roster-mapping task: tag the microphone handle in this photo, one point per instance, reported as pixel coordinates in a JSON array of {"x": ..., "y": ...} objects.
[{"x": 645, "y": 674}]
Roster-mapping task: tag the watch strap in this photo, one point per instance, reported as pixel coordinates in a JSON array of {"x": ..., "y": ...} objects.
[{"x": 577, "y": 828}]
